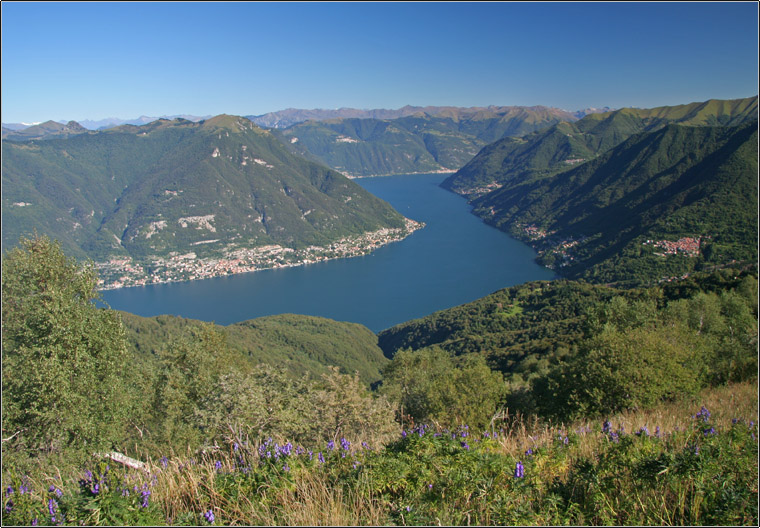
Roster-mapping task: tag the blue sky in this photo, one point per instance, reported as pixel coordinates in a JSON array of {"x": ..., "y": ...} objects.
[{"x": 70, "y": 60}]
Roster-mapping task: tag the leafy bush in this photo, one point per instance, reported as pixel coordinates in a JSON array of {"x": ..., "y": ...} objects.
[
  {"x": 430, "y": 386},
  {"x": 64, "y": 360}
]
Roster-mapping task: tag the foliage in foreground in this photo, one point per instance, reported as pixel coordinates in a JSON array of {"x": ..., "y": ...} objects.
[
  {"x": 693, "y": 463},
  {"x": 64, "y": 375}
]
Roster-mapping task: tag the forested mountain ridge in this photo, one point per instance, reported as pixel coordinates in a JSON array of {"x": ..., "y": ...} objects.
[
  {"x": 176, "y": 186},
  {"x": 440, "y": 140},
  {"x": 562, "y": 146},
  {"x": 659, "y": 205}
]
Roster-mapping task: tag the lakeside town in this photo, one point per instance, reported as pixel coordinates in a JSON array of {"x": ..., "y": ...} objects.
[
  {"x": 121, "y": 272},
  {"x": 563, "y": 249}
]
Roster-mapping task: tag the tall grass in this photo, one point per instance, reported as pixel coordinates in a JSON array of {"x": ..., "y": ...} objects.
[{"x": 699, "y": 469}]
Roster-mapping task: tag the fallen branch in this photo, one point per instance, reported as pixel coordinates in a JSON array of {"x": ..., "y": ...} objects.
[
  {"x": 123, "y": 459},
  {"x": 14, "y": 434}
]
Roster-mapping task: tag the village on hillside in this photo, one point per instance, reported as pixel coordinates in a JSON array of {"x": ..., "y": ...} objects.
[{"x": 122, "y": 272}]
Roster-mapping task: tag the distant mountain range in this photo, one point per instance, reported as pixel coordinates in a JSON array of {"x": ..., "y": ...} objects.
[
  {"x": 46, "y": 130},
  {"x": 631, "y": 196},
  {"x": 443, "y": 140},
  {"x": 357, "y": 143},
  {"x": 174, "y": 186},
  {"x": 292, "y": 116},
  {"x": 89, "y": 124}
]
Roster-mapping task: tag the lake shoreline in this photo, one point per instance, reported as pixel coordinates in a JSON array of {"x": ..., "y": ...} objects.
[
  {"x": 442, "y": 171},
  {"x": 457, "y": 258},
  {"x": 125, "y": 272}
]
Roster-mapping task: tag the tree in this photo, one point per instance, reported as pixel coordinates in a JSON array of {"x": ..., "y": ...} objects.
[
  {"x": 618, "y": 370},
  {"x": 190, "y": 371},
  {"x": 431, "y": 386},
  {"x": 63, "y": 357}
]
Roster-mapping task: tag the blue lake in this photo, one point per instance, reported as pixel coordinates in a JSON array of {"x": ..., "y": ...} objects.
[{"x": 455, "y": 259}]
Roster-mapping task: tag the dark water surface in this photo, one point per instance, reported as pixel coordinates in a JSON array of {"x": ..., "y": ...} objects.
[{"x": 455, "y": 259}]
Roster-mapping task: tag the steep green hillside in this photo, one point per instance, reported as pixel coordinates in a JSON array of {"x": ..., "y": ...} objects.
[
  {"x": 301, "y": 344},
  {"x": 179, "y": 187},
  {"x": 661, "y": 204},
  {"x": 414, "y": 143},
  {"x": 562, "y": 146}
]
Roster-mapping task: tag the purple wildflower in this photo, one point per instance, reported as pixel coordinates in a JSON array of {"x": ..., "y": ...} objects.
[
  {"x": 96, "y": 488},
  {"x": 145, "y": 497},
  {"x": 164, "y": 461},
  {"x": 734, "y": 421},
  {"x": 345, "y": 444},
  {"x": 35, "y": 522},
  {"x": 286, "y": 467},
  {"x": 709, "y": 432},
  {"x": 52, "y": 507},
  {"x": 403, "y": 433},
  {"x": 9, "y": 491},
  {"x": 330, "y": 445},
  {"x": 365, "y": 445},
  {"x": 320, "y": 457},
  {"x": 657, "y": 431},
  {"x": 703, "y": 414},
  {"x": 408, "y": 508},
  {"x": 607, "y": 427},
  {"x": 464, "y": 445},
  {"x": 529, "y": 452},
  {"x": 9, "y": 506},
  {"x": 519, "y": 470},
  {"x": 430, "y": 486},
  {"x": 209, "y": 515},
  {"x": 218, "y": 465}
]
